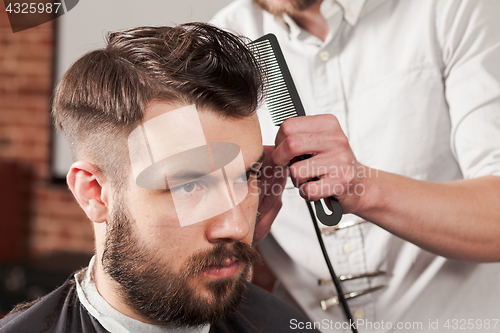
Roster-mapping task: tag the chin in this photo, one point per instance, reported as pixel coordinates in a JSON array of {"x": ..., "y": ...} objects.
[{"x": 216, "y": 290}]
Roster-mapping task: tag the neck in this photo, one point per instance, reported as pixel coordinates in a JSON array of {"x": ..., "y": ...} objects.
[{"x": 312, "y": 21}]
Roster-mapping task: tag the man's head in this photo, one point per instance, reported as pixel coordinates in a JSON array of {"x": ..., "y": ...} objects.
[
  {"x": 149, "y": 266},
  {"x": 280, "y": 7},
  {"x": 103, "y": 96}
]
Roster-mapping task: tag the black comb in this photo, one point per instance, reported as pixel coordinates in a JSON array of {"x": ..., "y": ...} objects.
[{"x": 283, "y": 102}]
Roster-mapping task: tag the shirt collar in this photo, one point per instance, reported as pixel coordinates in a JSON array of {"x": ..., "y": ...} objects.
[
  {"x": 352, "y": 9},
  {"x": 295, "y": 30}
]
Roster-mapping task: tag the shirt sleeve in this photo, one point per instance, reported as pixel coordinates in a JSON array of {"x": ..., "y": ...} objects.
[{"x": 469, "y": 35}]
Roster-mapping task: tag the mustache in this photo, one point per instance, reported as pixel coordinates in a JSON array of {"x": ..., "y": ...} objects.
[{"x": 217, "y": 256}]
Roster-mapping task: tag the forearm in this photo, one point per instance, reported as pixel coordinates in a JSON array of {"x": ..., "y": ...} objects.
[{"x": 458, "y": 220}]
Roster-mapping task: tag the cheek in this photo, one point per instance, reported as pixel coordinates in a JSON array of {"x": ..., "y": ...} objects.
[
  {"x": 173, "y": 244},
  {"x": 253, "y": 190},
  {"x": 155, "y": 221},
  {"x": 251, "y": 203},
  {"x": 152, "y": 208}
]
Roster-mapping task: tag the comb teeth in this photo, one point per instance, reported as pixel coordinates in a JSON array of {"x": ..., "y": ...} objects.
[{"x": 280, "y": 99}]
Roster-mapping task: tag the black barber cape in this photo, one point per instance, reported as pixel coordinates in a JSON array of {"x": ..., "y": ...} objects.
[{"x": 61, "y": 312}]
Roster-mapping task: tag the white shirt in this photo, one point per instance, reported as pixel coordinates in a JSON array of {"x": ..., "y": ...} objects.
[
  {"x": 111, "y": 319},
  {"x": 416, "y": 88}
]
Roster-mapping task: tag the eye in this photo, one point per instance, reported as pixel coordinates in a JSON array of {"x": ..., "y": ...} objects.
[
  {"x": 187, "y": 188},
  {"x": 242, "y": 178}
]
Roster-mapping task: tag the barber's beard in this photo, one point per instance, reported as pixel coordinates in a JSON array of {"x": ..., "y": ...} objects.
[
  {"x": 290, "y": 8},
  {"x": 153, "y": 290}
]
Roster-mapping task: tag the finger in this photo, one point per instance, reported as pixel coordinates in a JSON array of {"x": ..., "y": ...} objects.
[
  {"x": 268, "y": 150},
  {"x": 323, "y": 188},
  {"x": 309, "y": 144},
  {"x": 268, "y": 160},
  {"x": 263, "y": 226},
  {"x": 309, "y": 124},
  {"x": 339, "y": 168},
  {"x": 273, "y": 194},
  {"x": 269, "y": 175},
  {"x": 271, "y": 185}
]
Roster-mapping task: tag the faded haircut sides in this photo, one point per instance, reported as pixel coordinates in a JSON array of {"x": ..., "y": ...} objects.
[{"x": 102, "y": 97}]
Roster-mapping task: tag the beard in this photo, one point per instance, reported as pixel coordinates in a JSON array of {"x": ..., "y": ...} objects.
[
  {"x": 290, "y": 8},
  {"x": 153, "y": 290}
]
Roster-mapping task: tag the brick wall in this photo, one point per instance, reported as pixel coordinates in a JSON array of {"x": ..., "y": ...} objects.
[{"x": 55, "y": 221}]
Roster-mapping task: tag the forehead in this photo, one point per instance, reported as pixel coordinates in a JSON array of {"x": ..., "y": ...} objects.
[
  {"x": 170, "y": 130},
  {"x": 216, "y": 127}
]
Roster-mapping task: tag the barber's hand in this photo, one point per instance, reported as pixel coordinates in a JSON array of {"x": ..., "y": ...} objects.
[
  {"x": 333, "y": 164},
  {"x": 272, "y": 180}
]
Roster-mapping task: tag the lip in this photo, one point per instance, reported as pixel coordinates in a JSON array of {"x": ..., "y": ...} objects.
[{"x": 228, "y": 269}]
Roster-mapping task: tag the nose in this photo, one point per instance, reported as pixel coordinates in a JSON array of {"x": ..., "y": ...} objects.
[{"x": 229, "y": 226}]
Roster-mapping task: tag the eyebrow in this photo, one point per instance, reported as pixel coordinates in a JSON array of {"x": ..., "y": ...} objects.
[{"x": 182, "y": 176}]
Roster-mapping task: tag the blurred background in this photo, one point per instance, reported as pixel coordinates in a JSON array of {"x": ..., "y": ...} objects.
[{"x": 44, "y": 234}]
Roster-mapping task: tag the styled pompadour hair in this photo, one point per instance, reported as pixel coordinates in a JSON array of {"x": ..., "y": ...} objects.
[{"x": 102, "y": 97}]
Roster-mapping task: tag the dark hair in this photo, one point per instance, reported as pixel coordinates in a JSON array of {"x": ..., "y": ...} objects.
[{"x": 102, "y": 97}]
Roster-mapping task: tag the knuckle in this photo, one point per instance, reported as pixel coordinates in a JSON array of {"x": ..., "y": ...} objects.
[
  {"x": 292, "y": 144},
  {"x": 341, "y": 141},
  {"x": 331, "y": 119},
  {"x": 287, "y": 126},
  {"x": 344, "y": 159}
]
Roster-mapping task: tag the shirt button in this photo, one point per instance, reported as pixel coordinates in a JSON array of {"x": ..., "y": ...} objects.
[
  {"x": 358, "y": 314},
  {"x": 350, "y": 14},
  {"x": 324, "y": 55},
  {"x": 347, "y": 248}
]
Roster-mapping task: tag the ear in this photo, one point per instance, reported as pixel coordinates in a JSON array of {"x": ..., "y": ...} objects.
[{"x": 89, "y": 186}]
